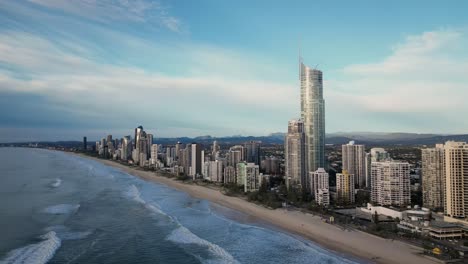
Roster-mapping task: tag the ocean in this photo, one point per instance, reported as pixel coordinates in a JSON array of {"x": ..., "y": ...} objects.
[{"x": 57, "y": 207}]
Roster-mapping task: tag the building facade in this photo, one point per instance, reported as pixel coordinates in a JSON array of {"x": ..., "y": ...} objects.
[
  {"x": 456, "y": 180},
  {"x": 313, "y": 116},
  {"x": 319, "y": 186},
  {"x": 433, "y": 177},
  {"x": 294, "y": 154},
  {"x": 345, "y": 188},
  {"x": 391, "y": 183},
  {"x": 354, "y": 162},
  {"x": 196, "y": 160}
]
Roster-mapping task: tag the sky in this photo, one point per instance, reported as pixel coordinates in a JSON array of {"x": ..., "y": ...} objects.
[{"x": 74, "y": 68}]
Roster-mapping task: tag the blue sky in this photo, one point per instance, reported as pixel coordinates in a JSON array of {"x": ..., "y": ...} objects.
[{"x": 189, "y": 68}]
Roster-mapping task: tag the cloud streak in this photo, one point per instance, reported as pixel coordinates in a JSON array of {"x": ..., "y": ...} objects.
[
  {"x": 424, "y": 76},
  {"x": 141, "y": 11}
]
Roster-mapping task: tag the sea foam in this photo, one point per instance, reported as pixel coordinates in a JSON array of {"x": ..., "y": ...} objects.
[
  {"x": 37, "y": 253},
  {"x": 182, "y": 235},
  {"x": 61, "y": 209},
  {"x": 134, "y": 194},
  {"x": 56, "y": 183}
]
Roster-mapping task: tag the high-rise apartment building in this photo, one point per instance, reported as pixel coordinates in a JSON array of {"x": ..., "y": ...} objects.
[
  {"x": 433, "y": 177},
  {"x": 214, "y": 150},
  {"x": 345, "y": 188},
  {"x": 354, "y": 162},
  {"x": 85, "y": 143},
  {"x": 230, "y": 175},
  {"x": 248, "y": 175},
  {"x": 138, "y": 132},
  {"x": 252, "y": 152},
  {"x": 294, "y": 154},
  {"x": 197, "y": 160},
  {"x": 456, "y": 179},
  {"x": 379, "y": 154},
  {"x": 126, "y": 148},
  {"x": 313, "y": 115},
  {"x": 319, "y": 186},
  {"x": 368, "y": 161},
  {"x": 390, "y": 183},
  {"x": 236, "y": 155},
  {"x": 149, "y": 138}
]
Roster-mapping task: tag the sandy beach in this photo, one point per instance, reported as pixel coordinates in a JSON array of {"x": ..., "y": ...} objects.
[{"x": 361, "y": 245}]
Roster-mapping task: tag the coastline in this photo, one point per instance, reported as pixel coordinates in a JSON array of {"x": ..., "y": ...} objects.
[{"x": 357, "y": 244}]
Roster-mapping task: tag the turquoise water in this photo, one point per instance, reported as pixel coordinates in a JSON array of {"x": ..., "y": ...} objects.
[{"x": 59, "y": 208}]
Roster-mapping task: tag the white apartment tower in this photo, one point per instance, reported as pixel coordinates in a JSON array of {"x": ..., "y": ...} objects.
[
  {"x": 319, "y": 186},
  {"x": 390, "y": 183},
  {"x": 433, "y": 177},
  {"x": 456, "y": 179},
  {"x": 354, "y": 162},
  {"x": 295, "y": 154}
]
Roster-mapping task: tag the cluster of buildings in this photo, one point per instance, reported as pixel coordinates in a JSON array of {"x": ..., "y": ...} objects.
[
  {"x": 138, "y": 151},
  {"x": 445, "y": 180},
  {"x": 240, "y": 164},
  {"x": 388, "y": 180}
]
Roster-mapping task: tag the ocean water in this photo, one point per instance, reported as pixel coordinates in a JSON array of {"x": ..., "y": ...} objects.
[{"x": 59, "y": 208}]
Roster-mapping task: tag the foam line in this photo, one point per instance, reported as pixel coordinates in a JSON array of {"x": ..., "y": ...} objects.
[
  {"x": 134, "y": 194},
  {"x": 182, "y": 235},
  {"x": 38, "y": 253}
]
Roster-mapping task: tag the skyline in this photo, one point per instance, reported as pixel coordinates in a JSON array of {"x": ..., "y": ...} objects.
[{"x": 162, "y": 65}]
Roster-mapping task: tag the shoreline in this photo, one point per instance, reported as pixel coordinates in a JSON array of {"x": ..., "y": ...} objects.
[{"x": 355, "y": 244}]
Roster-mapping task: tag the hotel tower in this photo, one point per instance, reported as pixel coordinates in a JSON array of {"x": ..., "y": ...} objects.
[{"x": 313, "y": 116}]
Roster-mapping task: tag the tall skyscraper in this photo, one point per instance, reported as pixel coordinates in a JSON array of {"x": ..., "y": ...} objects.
[
  {"x": 433, "y": 177},
  {"x": 214, "y": 150},
  {"x": 149, "y": 138},
  {"x": 178, "y": 147},
  {"x": 391, "y": 183},
  {"x": 313, "y": 115},
  {"x": 345, "y": 188},
  {"x": 456, "y": 179},
  {"x": 138, "y": 131},
  {"x": 85, "y": 144},
  {"x": 126, "y": 148},
  {"x": 368, "y": 161},
  {"x": 353, "y": 157},
  {"x": 236, "y": 155},
  {"x": 196, "y": 167},
  {"x": 294, "y": 154},
  {"x": 252, "y": 152}
]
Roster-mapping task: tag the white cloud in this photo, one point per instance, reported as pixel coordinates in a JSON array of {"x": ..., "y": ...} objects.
[
  {"x": 425, "y": 75},
  {"x": 117, "y": 10},
  {"x": 206, "y": 98}
]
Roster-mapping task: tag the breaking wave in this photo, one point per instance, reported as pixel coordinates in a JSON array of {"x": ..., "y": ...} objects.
[
  {"x": 134, "y": 194},
  {"x": 38, "y": 253},
  {"x": 182, "y": 235},
  {"x": 56, "y": 183},
  {"x": 61, "y": 209}
]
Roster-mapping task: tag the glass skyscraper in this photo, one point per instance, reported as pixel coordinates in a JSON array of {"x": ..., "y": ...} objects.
[{"x": 313, "y": 116}]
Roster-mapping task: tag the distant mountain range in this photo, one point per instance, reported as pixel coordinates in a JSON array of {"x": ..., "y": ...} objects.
[{"x": 367, "y": 138}]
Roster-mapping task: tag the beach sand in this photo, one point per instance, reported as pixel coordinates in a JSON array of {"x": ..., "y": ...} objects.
[{"x": 355, "y": 243}]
